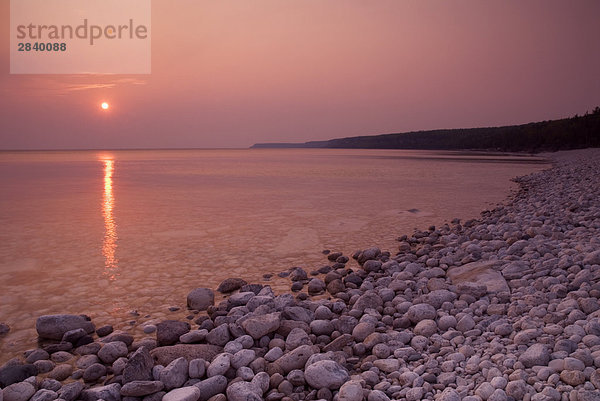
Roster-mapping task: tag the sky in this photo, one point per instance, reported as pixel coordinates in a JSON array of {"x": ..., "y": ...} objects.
[{"x": 230, "y": 73}]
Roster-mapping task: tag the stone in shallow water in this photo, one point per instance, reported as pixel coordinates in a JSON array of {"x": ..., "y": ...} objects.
[
  {"x": 200, "y": 298},
  {"x": 169, "y": 331},
  {"x": 54, "y": 327},
  {"x": 16, "y": 373},
  {"x": 231, "y": 284}
]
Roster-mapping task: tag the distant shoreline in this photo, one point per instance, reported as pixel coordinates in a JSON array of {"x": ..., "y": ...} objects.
[{"x": 577, "y": 132}]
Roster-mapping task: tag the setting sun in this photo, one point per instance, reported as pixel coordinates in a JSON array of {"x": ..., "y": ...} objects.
[{"x": 104, "y": 106}]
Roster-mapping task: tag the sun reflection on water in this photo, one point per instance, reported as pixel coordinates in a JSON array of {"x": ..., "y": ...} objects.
[{"x": 109, "y": 245}]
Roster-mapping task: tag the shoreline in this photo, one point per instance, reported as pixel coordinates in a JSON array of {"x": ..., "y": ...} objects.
[{"x": 500, "y": 307}]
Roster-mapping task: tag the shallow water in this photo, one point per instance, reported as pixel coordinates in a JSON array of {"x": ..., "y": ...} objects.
[{"x": 110, "y": 232}]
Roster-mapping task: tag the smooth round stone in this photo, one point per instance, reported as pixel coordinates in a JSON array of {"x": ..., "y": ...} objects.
[
  {"x": 425, "y": 328},
  {"x": 190, "y": 393}
]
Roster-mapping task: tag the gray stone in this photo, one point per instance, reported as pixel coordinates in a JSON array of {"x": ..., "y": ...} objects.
[
  {"x": 112, "y": 351},
  {"x": 175, "y": 373},
  {"x": 219, "y": 365},
  {"x": 61, "y": 372},
  {"x": 211, "y": 386},
  {"x": 325, "y": 374},
  {"x": 189, "y": 393},
  {"x": 194, "y": 336},
  {"x": 516, "y": 389},
  {"x": 139, "y": 388},
  {"x": 536, "y": 355},
  {"x": 419, "y": 312},
  {"x": 164, "y": 355},
  {"x": 295, "y": 359},
  {"x": 44, "y": 395},
  {"x": 111, "y": 392},
  {"x": 261, "y": 325},
  {"x": 169, "y": 331},
  {"x": 139, "y": 366},
  {"x": 71, "y": 391},
  {"x": 296, "y": 338},
  {"x": 219, "y": 335},
  {"x": 244, "y": 391},
  {"x": 449, "y": 394},
  {"x": 18, "y": 392},
  {"x": 94, "y": 372},
  {"x": 197, "y": 368},
  {"x": 351, "y": 390},
  {"x": 54, "y": 327},
  {"x": 480, "y": 273},
  {"x": 243, "y": 358},
  {"x": 200, "y": 299},
  {"x": 10, "y": 374},
  {"x": 231, "y": 284},
  {"x": 362, "y": 331}
]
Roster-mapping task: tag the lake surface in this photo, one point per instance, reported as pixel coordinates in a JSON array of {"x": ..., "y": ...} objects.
[{"x": 109, "y": 233}]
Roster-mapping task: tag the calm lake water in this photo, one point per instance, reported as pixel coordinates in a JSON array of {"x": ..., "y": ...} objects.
[{"x": 108, "y": 233}]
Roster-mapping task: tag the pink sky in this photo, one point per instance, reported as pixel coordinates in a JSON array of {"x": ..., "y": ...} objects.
[{"x": 231, "y": 73}]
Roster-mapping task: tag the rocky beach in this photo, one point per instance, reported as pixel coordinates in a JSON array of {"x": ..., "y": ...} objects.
[{"x": 502, "y": 307}]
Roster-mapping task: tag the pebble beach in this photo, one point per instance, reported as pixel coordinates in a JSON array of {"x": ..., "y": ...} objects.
[{"x": 503, "y": 307}]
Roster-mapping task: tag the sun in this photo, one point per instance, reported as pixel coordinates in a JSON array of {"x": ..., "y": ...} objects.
[{"x": 104, "y": 106}]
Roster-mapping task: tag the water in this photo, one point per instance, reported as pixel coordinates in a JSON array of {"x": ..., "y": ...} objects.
[{"x": 107, "y": 233}]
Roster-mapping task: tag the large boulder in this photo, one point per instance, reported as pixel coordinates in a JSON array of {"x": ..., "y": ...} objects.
[
  {"x": 200, "y": 298},
  {"x": 54, "y": 327}
]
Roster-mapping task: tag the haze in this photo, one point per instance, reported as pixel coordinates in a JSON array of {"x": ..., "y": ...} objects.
[{"x": 232, "y": 73}]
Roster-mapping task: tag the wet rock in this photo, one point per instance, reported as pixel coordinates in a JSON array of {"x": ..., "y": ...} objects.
[
  {"x": 16, "y": 373},
  {"x": 169, "y": 331},
  {"x": 231, "y": 284},
  {"x": 54, "y": 327},
  {"x": 200, "y": 299}
]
